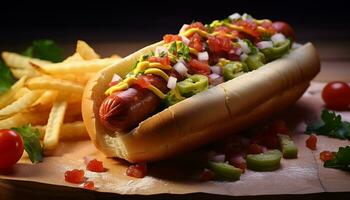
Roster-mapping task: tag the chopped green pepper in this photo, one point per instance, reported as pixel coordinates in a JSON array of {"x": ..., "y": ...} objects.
[
  {"x": 225, "y": 171},
  {"x": 268, "y": 161},
  {"x": 256, "y": 60},
  {"x": 193, "y": 85},
  {"x": 234, "y": 69},
  {"x": 289, "y": 149},
  {"x": 278, "y": 51},
  {"x": 172, "y": 98}
]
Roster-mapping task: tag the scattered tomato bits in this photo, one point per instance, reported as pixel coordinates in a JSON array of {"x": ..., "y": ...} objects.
[
  {"x": 95, "y": 166},
  {"x": 89, "y": 185},
  {"x": 137, "y": 170},
  {"x": 311, "y": 142},
  {"x": 206, "y": 175},
  {"x": 254, "y": 149},
  {"x": 74, "y": 176},
  {"x": 326, "y": 155}
]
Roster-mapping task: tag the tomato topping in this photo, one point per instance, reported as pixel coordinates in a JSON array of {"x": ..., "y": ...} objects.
[
  {"x": 336, "y": 95},
  {"x": 162, "y": 60},
  {"x": 196, "y": 42},
  {"x": 271, "y": 140},
  {"x": 11, "y": 148},
  {"x": 238, "y": 161},
  {"x": 279, "y": 127},
  {"x": 199, "y": 67},
  {"x": 270, "y": 30},
  {"x": 74, "y": 176},
  {"x": 95, "y": 166},
  {"x": 89, "y": 185},
  {"x": 284, "y": 28},
  {"x": 137, "y": 170},
  {"x": 326, "y": 155},
  {"x": 171, "y": 38},
  {"x": 311, "y": 142},
  {"x": 206, "y": 175},
  {"x": 249, "y": 27},
  {"x": 219, "y": 44},
  {"x": 255, "y": 149},
  {"x": 223, "y": 29},
  {"x": 142, "y": 82},
  {"x": 196, "y": 25}
]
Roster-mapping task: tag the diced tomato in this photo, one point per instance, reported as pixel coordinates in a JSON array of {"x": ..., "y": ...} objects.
[
  {"x": 271, "y": 140},
  {"x": 171, "y": 38},
  {"x": 279, "y": 127},
  {"x": 95, "y": 166},
  {"x": 74, "y": 176},
  {"x": 206, "y": 175},
  {"x": 238, "y": 161},
  {"x": 219, "y": 44},
  {"x": 270, "y": 30},
  {"x": 196, "y": 42},
  {"x": 142, "y": 82},
  {"x": 162, "y": 60},
  {"x": 196, "y": 25},
  {"x": 224, "y": 29},
  {"x": 199, "y": 67},
  {"x": 89, "y": 185},
  {"x": 326, "y": 155},
  {"x": 249, "y": 27},
  {"x": 254, "y": 149},
  {"x": 311, "y": 142},
  {"x": 137, "y": 170}
]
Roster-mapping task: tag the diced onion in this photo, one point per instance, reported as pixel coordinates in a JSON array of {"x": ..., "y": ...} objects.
[
  {"x": 219, "y": 158},
  {"x": 244, "y": 46},
  {"x": 216, "y": 69},
  {"x": 180, "y": 68},
  {"x": 185, "y": 40},
  {"x": 278, "y": 38},
  {"x": 264, "y": 44},
  {"x": 116, "y": 78},
  {"x": 214, "y": 76},
  {"x": 183, "y": 28},
  {"x": 238, "y": 51},
  {"x": 172, "y": 82},
  {"x": 234, "y": 16},
  {"x": 215, "y": 79},
  {"x": 160, "y": 50},
  {"x": 203, "y": 56},
  {"x": 243, "y": 57}
]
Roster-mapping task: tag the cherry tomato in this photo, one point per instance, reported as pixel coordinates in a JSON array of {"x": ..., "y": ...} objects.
[
  {"x": 74, "y": 176},
  {"x": 11, "y": 148},
  {"x": 284, "y": 28},
  {"x": 336, "y": 95},
  {"x": 137, "y": 170},
  {"x": 326, "y": 155},
  {"x": 311, "y": 142},
  {"x": 95, "y": 166}
]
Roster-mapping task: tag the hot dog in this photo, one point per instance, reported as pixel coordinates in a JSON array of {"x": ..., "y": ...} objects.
[{"x": 212, "y": 81}]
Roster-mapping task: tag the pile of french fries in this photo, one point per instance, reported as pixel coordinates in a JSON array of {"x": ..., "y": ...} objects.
[{"x": 48, "y": 95}]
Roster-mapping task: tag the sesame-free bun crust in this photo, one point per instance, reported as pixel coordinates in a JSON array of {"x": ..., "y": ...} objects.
[{"x": 210, "y": 115}]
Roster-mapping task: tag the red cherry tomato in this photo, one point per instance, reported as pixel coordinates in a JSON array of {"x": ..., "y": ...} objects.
[
  {"x": 95, "y": 166},
  {"x": 137, "y": 170},
  {"x": 336, "y": 95},
  {"x": 284, "y": 28},
  {"x": 311, "y": 142},
  {"x": 11, "y": 148},
  {"x": 326, "y": 155}
]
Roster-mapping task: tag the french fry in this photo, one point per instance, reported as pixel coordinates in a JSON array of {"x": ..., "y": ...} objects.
[
  {"x": 8, "y": 97},
  {"x": 54, "y": 124},
  {"x": 21, "y": 119},
  {"x": 19, "y": 73},
  {"x": 14, "y": 60},
  {"x": 69, "y": 131},
  {"x": 51, "y": 83},
  {"x": 77, "y": 67},
  {"x": 85, "y": 51},
  {"x": 21, "y": 92},
  {"x": 75, "y": 57},
  {"x": 44, "y": 102},
  {"x": 20, "y": 104}
]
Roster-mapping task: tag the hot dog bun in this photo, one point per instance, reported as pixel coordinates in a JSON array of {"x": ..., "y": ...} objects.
[{"x": 205, "y": 117}]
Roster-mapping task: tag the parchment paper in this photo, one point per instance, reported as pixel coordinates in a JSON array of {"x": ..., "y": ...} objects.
[{"x": 296, "y": 176}]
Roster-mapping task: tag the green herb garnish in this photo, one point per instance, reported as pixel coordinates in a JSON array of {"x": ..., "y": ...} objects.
[
  {"x": 44, "y": 49},
  {"x": 6, "y": 78},
  {"x": 341, "y": 159}
]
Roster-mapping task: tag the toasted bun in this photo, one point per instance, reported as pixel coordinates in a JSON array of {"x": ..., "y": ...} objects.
[{"x": 205, "y": 117}]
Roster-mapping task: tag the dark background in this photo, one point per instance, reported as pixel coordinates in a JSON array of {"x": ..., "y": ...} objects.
[{"x": 142, "y": 22}]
